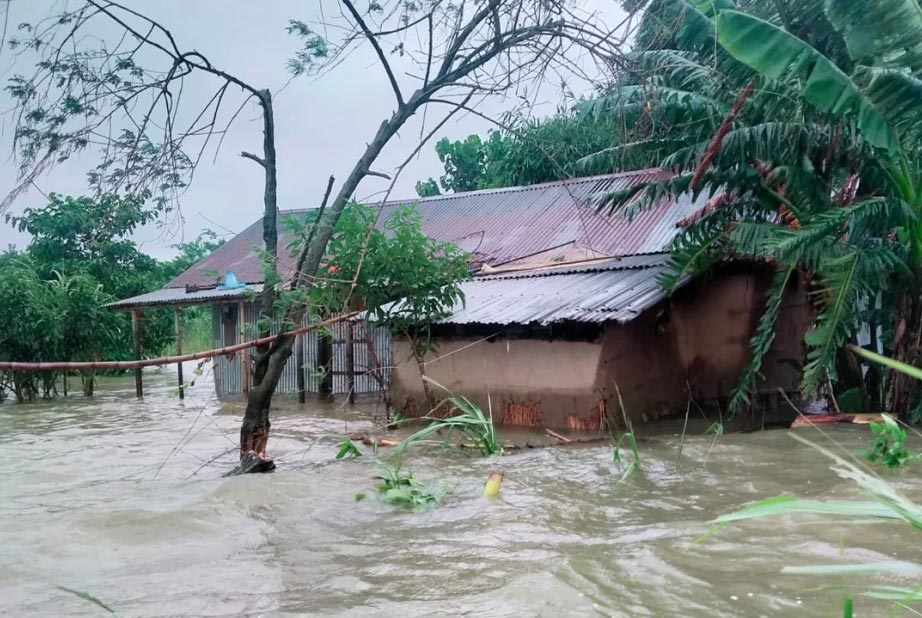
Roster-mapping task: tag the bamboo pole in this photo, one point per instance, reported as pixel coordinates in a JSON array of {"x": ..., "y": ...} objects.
[
  {"x": 299, "y": 361},
  {"x": 244, "y": 357},
  {"x": 350, "y": 362},
  {"x": 136, "y": 324},
  {"x": 167, "y": 360},
  {"x": 178, "y": 320}
]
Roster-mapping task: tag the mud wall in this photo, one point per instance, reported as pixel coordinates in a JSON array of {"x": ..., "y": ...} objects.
[
  {"x": 642, "y": 360},
  {"x": 698, "y": 343},
  {"x": 530, "y": 382},
  {"x": 712, "y": 325}
]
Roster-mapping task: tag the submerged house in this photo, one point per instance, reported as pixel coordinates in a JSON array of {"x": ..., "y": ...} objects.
[
  {"x": 564, "y": 312},
  {"x": 568, "y": 346}
]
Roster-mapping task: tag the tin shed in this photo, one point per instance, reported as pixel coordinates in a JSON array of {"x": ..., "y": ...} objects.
[
  {"x": 553, "y": 347},
  {"x": 509, "y": 228}
]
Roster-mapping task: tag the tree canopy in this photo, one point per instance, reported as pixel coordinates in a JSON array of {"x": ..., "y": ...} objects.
[{"x": 81, "y": 257}]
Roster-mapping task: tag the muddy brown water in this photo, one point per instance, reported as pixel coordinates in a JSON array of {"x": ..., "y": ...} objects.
[{"x": 117, "y": 498}]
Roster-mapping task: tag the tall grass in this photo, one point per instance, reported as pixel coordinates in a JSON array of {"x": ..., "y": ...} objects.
[
  {"x": 466, "y": 419},
  {"x": 886, "y": 504},
  {"x": 628, "y": 438}
]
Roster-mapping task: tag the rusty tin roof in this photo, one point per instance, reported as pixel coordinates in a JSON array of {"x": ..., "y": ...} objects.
[
  {"x": 609, "y": 291},
  {"x": 497, "y": 226}
]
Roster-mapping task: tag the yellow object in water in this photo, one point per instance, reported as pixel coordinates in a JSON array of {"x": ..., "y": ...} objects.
[{"x": 491, "y": 487}]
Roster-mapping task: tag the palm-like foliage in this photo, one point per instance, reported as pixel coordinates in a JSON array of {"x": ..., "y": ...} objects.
[{"x": 815, "y": 166}]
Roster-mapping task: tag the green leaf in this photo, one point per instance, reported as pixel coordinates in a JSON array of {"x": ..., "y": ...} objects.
[
  {"x": 348, "y": 448},
  {"x": 895, "y": 593},
  {"x": 891, "y": 363},
  {"x": 833, "y": 324},
  {"x": 883, "y": 33},
  {"x": 87, "y": 597},
  {"x": 895, "y": 567},
  {"x": 779, "y": 55},
  {"x": 764, "y": 334},
  {"x": 786, "y": 505}
]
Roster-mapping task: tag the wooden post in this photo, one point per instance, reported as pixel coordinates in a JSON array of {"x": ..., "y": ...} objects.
[
  {"x": 244, "y": 354},
  {"x": 299, "y": 361},
  {"x": 325, "y": 363},
  {"x": 350, "y": 360},
  {"x": 178, "y": 320},
  {"x": 136, "y": 323}
]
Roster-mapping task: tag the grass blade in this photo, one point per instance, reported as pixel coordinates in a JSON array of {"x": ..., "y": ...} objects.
[
  {"x": 785, "y": 505},
  {"x": 86, "y": 596},
  {"x": 895, "y": 567}
]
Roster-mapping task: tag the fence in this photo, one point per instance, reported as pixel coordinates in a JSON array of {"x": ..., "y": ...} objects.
[{"x": 371, "y": 356}]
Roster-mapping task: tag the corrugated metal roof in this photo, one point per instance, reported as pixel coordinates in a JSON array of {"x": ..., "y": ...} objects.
[
  {"x": 617, "y": 290},
  {"x": 496, "y": 225},
  {"x": 179, "y": 296}
]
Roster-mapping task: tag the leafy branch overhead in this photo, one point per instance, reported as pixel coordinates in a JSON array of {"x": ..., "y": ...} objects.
[{"x": 370, "y": 268}]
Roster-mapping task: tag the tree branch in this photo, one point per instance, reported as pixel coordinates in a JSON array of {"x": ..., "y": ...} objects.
[
  {"x": 374, "y": 43},
  {"x": 253, "y": 157}
]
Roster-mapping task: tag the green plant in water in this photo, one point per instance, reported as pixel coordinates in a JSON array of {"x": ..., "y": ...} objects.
[
  {"x": 628, "y": 439},
  {"x": 625, "y": 438},
  {"x": 887, "y": 504},
  {"x": 347, "y": 448},
  {"x": 468, "y": 420},
  {"x": 86, "y": 596},
  {"x": 888, "y": 447},
  {"x": 400, "y": 488}
]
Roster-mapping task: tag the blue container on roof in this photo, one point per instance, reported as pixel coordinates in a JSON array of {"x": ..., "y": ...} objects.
[{"x": 230, "y": 282}]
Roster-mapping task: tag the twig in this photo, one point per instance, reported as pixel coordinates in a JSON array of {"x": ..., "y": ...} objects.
[{"x": 557, "y": 436}]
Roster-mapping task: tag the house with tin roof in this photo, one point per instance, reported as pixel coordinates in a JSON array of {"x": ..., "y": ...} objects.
[{"x": 564, "y": 311}]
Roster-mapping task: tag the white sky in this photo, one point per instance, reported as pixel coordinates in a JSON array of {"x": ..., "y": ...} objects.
[{"x": 322, "y": 125}]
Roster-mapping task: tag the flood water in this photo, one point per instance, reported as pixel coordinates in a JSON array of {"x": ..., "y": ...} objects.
[{"x": 124, "y": 500}]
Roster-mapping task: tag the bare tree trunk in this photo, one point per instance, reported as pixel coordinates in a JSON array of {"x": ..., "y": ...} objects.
[
  {"x": 254, "y": 431},
  {"x": 270, "y": 362}
]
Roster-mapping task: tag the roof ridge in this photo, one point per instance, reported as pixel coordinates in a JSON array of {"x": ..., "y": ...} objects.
[
  {"x": 624, "y": 262},
  {"x": 497, "y": 190}
]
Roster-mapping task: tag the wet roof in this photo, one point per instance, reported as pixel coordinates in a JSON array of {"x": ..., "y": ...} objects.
[
  {"x": 609, "y": 291},
  {"x": 179, "y": 296},
  {"x": 497, "y": 226}
]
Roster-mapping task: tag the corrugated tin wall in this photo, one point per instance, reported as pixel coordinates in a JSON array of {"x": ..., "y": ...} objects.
[{"x": 371, "y": 345}]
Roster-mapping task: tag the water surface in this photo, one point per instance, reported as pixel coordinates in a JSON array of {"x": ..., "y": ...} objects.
[{"x": 124, "y": 499}]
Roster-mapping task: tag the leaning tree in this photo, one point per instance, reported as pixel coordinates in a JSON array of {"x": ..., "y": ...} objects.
[{"x": 121, "y": 97}]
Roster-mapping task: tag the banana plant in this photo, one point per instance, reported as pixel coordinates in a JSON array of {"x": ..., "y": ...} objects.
[{"x": 801, "y": 122}]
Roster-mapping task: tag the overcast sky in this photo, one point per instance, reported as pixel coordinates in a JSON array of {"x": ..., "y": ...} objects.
[{"x": 322, "y": 124}]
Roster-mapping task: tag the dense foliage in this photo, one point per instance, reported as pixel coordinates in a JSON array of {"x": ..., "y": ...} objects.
[
  {"x": 806, "y": 132},
  {"x": 81, "y": 257},
  {"x": 370, "y": 268},
  {"x": 525, "y": 153},
  {"x": 801, "y": 119}
]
